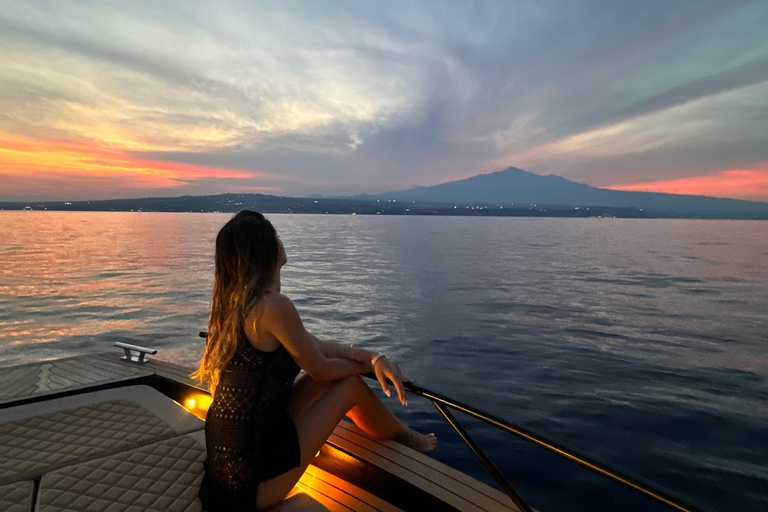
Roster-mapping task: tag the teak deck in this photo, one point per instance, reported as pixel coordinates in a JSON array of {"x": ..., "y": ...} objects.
[{"x": 353, "y": 472}]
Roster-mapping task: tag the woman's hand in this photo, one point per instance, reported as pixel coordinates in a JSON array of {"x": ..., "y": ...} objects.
[{"x": 384, "y": 368}]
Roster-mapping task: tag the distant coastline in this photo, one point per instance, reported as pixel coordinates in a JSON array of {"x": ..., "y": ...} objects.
[{"x": 312, "y": 205}]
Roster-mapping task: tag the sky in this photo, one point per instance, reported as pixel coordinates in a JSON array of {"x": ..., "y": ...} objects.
[{"x": 141, "y": 98}]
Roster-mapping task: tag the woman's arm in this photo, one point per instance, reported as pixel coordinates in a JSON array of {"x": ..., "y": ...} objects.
[
  {"x": 280, "y": 318},
  {"x": 333, "y": 349},
  {"x": 384, "y": 368}
]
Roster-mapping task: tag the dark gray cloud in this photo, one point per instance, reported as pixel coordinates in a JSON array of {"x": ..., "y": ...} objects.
[{"x": 750, "y": 73}]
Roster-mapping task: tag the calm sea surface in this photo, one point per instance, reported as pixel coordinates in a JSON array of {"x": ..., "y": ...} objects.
[{"x": 642, "y": 342}]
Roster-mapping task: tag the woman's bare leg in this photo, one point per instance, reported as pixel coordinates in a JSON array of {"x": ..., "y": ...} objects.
[
  {"x": 305, "y": 389},
  {"x": 315, "y": 423},
  {"x": 371, "y": 415},
  {"x": 375, "y": 418}
]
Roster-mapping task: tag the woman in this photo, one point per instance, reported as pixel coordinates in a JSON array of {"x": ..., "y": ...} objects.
[{"x": 262, "y": 430}]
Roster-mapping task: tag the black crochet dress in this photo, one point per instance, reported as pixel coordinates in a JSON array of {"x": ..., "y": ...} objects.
[{"x": 248, "y": 432}]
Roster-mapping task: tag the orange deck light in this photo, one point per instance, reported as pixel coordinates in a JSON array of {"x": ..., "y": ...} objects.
[{"x": 198, "y": 404}]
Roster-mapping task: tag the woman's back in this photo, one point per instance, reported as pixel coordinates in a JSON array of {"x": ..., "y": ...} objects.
[{"x": 249, "y": 435}]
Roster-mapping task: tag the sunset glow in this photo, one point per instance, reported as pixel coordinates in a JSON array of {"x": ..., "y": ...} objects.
[
  {"x": 298, "y": 99},
  {"x": 25, "y": 161},
  {"x": 750, "y": 184}
]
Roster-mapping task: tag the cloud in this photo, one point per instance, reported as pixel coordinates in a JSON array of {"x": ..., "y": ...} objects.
[
  {"x": 227, "y": 96},
  {"x": 694, "y": 137},
  {"x": 48, "y": 167},
  {"x": 352, "y": 97},
  {"x": 750, "y": 73},
  {"x": 738, "y": 183}
]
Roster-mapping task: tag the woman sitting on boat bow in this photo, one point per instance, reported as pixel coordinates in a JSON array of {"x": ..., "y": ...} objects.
[{"x": 262, "y": 429}]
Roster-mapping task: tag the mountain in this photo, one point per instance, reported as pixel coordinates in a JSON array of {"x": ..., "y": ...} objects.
[
  {"x": 512, "y": 192},
  {"x": 516, "y": 186}
]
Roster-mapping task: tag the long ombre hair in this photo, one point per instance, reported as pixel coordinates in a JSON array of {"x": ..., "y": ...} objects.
[{"x": 247, "y": 254}]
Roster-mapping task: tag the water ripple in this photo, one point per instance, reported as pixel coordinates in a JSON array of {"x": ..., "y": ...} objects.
[{"x": 642, "y": 342}]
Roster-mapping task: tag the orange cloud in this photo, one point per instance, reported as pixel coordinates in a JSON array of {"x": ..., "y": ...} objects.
[
  {"x": 37, "y": 160},
  {"x": 751, "y": 184}
]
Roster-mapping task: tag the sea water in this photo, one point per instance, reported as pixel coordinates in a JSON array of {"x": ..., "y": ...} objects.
[{"x": 641, "y": 342}]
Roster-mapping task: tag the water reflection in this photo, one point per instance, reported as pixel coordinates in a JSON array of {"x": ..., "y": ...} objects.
[{"x": 70, "y": 278}]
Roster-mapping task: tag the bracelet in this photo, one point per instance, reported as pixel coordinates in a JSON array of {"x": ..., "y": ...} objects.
[
  {"x": 376, "y": 358},
  {"x": 352, "y": 351}
]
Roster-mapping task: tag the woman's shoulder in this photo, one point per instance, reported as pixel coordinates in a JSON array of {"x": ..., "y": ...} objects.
[
  {"x": 277, "y": 316},
  {"x": 275, "y": 301},
  {"x": 276, "y": 306},
  {"x": 273, "y": 314}
]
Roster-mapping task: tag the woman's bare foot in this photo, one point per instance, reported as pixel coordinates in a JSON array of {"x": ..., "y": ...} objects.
[{"x": 416, "y": 440}]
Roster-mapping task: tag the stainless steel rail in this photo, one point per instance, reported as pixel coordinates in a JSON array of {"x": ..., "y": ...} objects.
[{"x": 633, "y": 482}]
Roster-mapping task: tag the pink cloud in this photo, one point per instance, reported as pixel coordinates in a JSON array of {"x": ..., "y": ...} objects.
[{"x": 750, "y": 184}]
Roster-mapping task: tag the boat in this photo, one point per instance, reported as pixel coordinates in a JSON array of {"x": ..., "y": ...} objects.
[{"x": 123, "y": 431}]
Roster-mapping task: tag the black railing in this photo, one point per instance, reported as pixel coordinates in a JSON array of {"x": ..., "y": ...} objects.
[
  {"x": 636, "y": 483},
  {"x": 484, "y": 460}
]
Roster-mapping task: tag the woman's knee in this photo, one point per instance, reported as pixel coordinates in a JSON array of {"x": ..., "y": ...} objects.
[{"x": 353, "y": 384}]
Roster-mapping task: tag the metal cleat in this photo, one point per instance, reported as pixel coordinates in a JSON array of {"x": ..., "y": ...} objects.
[{"x": 140, "y": 352}]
